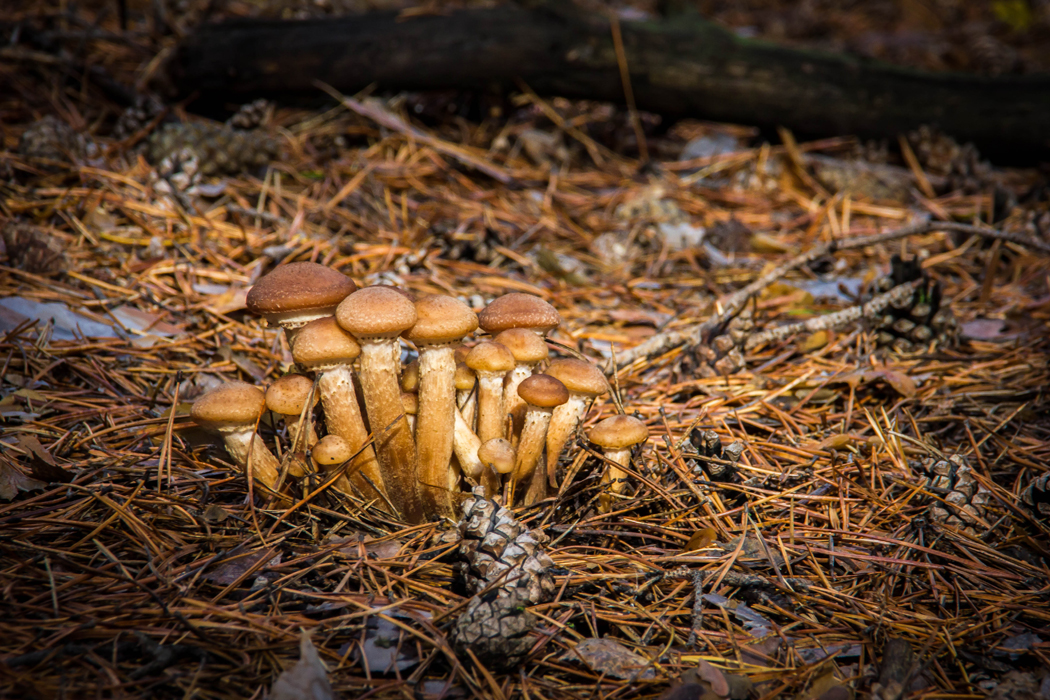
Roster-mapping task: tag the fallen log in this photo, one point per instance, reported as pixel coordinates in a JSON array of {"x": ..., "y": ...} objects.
[{"x": 679, "y": 67}]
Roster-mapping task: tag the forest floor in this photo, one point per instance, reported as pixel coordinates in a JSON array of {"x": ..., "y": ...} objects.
[{"x": 884, "y": 531}]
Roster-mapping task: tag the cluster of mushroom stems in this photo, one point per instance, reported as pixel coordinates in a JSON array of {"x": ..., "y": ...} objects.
[{"x": 409, "y": 440}]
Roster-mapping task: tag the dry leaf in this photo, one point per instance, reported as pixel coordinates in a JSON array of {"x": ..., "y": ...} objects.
[
  {"x": 232, "y": 570},
  {"x": 215, "y": 513},
  {"x": 835, "y": 442},
  {"x": 826, "y": 687},
  {"x": 609, "y": 657},
  {"x": 700, "y": 539},
  {"x": 12, "y": 480},
  {"x": 707, "y": 672},
  {"x": 307, "y": 680},
  {"x": 814, "y": 341},
  {"x": 901, "y": 383}
]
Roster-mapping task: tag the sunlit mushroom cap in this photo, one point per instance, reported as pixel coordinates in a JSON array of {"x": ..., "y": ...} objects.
[
  {"x": 298, "y": 292},
  {"x": 527, "y": 347},
  {"x": 465, "y": 377},
  {"x": 579, "y": 376},
  {"x": 619, "y": 432},
  {"x": 543, "y": 390},
  {"x": 490, "y": 357},
  {"x": 230, "y": 405},
  {"x": 517, "y": 310},
  {"x": 324, "y": 344},
  {"x": 497, "y": 453},
  {"x": 331, "y": 450},
  {"x": 441, "y": 319},
  {"x": 289, "y": 394},
  {"x": 376, "y": 312}
]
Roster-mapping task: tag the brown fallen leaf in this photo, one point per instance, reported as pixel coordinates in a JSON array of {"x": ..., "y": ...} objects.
[
  {"x": 307, "y": 679},
  {"x": 12, "y": 480},
  {"x": 714, "y": 677},
  {"x": 700, "y": 539},
  {"x": 901, "y": 383},
  {"x": 608, "y": 657},
  {"x": 814, "y": 341}
]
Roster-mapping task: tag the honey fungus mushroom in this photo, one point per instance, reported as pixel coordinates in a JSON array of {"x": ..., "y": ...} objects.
[
  {"x": 617, "y": 436},
  {"x": 232, "y": 410},
  {"x": 518, "y": 310},
  {"x": 292, "y": 295},
  {"x": 541, "y": 393},
  {"x": 585, "y": 382},
  {"x": 288, "y": 397}
]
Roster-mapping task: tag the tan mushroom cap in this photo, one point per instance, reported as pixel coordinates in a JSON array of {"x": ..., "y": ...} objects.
[
  {"x": 579, "y": 376},
  {"x": 231, "y": 404},
  {"x": 376, "y": 312},
  {"x": 441, "y": 319},
  {"x": 331, "y": 450},
  {"x": 619, "y": 432},
  {"x": 517, "y": 310},
  {"x": 298, "y": 286},
  {"x": 490, "y": 357},
  {"x": 497, "y": 453},
  {"x": 289, "y": 394},
  {"x": 527, "y": 347},
  {"x": 323, "y": 343},
  {"x": 543, "y": 390},
  {"x": 410, "y": 377},
  {"x": 410, "y": 402},
  {"x": 465, "y": 377},
  {"x": 461, "y": 353}
]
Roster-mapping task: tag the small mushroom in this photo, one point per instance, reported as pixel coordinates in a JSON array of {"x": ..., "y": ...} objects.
[
  {"x": 466, "y": 396},
  {"x": 498, "y": 455},
  {"x": 616, "y": 436},
  {"x": 529, "y": 349},
  {"x": 330, "y": 451},
  {"x": 376, "y": 316},
  {"x": 441, "y": 322},
  {"x": 288, "y": 397},
  {"x": 232, "y": 410},
  {"x": 585, "y": 382},
  {"x": 410, "y": 402},
  {"x": 323, "y": 347},
  {"x": 465, "y": 444},
  {"x": 410, "y": 377},
  {"x": 491, "y": 362},
  {"x": 517, "y": 310},
  {"x": 292, "y": 295},
  {"x": 541, "y": 394}
]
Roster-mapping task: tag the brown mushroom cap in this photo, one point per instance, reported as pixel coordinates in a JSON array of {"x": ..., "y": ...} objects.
[
  {"x": 461, "y": 353},
  {"x": 527, "y": 347},
  {"x": 323, "y": 343},
  {"x": 231, "y": 404},
  {"x": 441, "y": 319},
  {"x": 579, "y": 376},
  {"x": 376, "y": 312},
  {"x": 410, "y": 377},
  {"x": 517, "y": 310},
  {"x": 298, "y": 286},
  {"x": 490, "y": 357},
  {"x": 331, "y": 450},
  {"x": 289, "y": 394},
  {"x": 543, "y": 390},
  {"x": 465, "y": 377},
  {"x": 497, "y": 453},
  {"x": 410, "y": 402},
  {"x": 619, "y": 432}
]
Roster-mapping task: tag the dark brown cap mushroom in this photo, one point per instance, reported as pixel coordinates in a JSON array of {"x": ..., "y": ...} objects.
[
  {"x": 517, "y": 310},
  {"x": 617, "y": 436},
  {"x": 541, "y": 394},
  {"x": 529, "y": 349},
  {"x": 584, "y": 381},
  {"x": 294, "y": 294}
]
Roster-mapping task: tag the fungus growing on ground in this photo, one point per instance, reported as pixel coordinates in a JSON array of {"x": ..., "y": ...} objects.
[
  {"x": 541, "y": 394},
  {"x": 441, "y": 322},
  {"x": 410, "y": 402},
  {"x": 233, "y": 410},
  {"x": 292, "y": 295},
  {"x": 330, "y": 452},
  {"x": 465, "y": 444},
  {"x": 529, "y": 349},
  {"x": 323, "y": 347},
  {"x": 585, "y": 382},
  {"x": 466, "y": 397},
  {"x": 497, "y": 455},
  {"x": 288, "y": 397},
  {"x": 376, "y": 316},
  {"x": 617, "y": 436},
  {"x": 491, "y": 362},
  {"x": 517, "y": 310},
  {"x": 410, "y": 377}
]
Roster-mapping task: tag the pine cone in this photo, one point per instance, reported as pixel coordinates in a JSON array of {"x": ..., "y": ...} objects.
[
  {"x": 499, "y": 552},
  {"x": 137, "y": 117},
  {"x": 1037, "y": 496},
  {"x": 31, "y": 249},
  {"x": 960, "y": 166},
  {"x": 708, "y": 445},
  {"x": 723, "y": 355},
  {"x": 219, "y": 149},
  {"x": 964, "y": 501},
  {"x": 53, "y": 140},
  {"x": 251, "y": 115},
  {"x": 917, "y": 320}
]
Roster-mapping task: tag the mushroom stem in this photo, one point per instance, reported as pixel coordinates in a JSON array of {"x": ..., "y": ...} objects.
[
  {"x": 563, "y": 422},
  {"x": 465, "y": 444},
  {"x": 435, "y": 428},
  {"x": 393, "y": 437},
  {"x": 491, "y": 417},
  {"x": 533, "y": 439},
  {"x": 614, "y": 479},
  {"x": 252, "y": 455},
  {"x": 513, "y": 404},
  {"x": 343, "y": 417}
]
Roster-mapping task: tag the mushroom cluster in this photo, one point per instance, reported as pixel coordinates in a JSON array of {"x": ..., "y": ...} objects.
[{"x": 411, "y": 439}]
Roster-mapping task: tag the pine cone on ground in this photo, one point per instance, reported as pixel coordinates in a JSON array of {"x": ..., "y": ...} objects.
[
  {"x": 917, "y": 320},
  {"x": 137, "y": 117},
  {"x": 31, "y": 249},
  {"x": 1037, "y": 496},
  {"x": 718, "y": 462},
  {"x": 499, "y": 552},
  {"x": 51, "y": 139},
  {"x": 218, "y": 149},
  {"x": 251, "y": 115},
  {"x": 962, "y": 502},
  {"x": 960, "y": 166}
]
